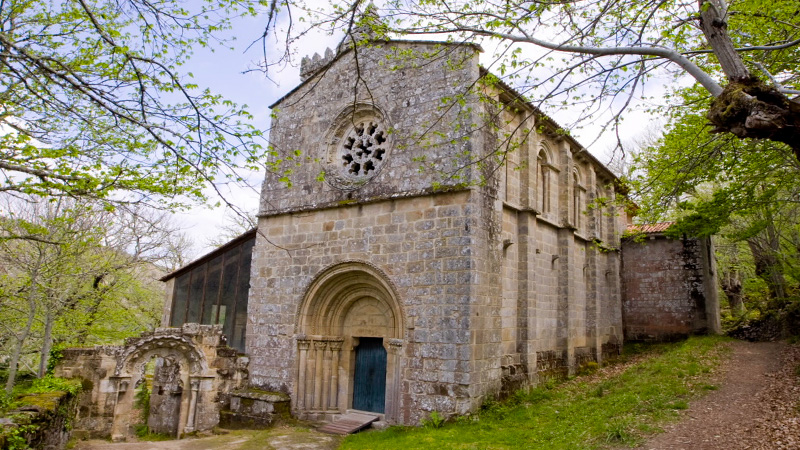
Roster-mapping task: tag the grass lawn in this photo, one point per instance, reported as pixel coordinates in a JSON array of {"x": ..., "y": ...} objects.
[{"x": 609, "y": 409}]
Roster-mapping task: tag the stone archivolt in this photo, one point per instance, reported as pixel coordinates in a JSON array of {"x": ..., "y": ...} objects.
[{"x": 139, "y": 351}]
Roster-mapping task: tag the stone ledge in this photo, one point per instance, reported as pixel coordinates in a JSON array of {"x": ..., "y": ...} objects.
[{"x": 256, "y": 394}]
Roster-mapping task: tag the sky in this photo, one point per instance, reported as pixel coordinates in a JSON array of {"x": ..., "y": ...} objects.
[{"x": 227, "y": 72}]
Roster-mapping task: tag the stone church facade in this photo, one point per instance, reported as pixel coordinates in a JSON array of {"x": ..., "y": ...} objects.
[{"x": 440, "y": 243}]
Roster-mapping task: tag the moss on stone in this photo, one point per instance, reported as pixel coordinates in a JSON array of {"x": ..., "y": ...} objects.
[{"x": 44, "y": 401}]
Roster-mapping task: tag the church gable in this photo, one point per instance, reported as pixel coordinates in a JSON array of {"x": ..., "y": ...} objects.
[{"x": 368, "y": 124}]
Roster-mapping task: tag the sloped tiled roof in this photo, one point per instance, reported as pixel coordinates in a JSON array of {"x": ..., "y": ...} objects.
[{"x": 650, "y": 227}]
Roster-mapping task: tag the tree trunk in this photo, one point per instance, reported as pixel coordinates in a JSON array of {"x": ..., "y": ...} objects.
[
  {"x": 768, "y": 268},
  {"x": 47, "y": 343},
  {"x": 91, "y": 311},
  {"x": 715, "y": 28},
  {"x": 751, "y": 109},
  {"x": 747, "y": 107},
  {"x": 732, "y": 287},
  {"x": 22, "y": 337}
]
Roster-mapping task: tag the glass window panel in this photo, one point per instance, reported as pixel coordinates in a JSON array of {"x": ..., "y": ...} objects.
[
  {"x": 227, "y": 299},
  {"x": 211, "y": 296},
  {"x": 180, "y": 295},
  {"x": 221, "y": 316},
  {"x": 196, "y": 294},
  {"x": 242, "y": 291}
]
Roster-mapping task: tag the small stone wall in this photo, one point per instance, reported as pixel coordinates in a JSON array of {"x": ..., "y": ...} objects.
[
  {"x": 584, "y": 356},
  {"x": 610, "y": 350},
  {"x": 44, "y": 421},
  {"x": 255, "y": 408},
  {"x": 515, "y": 377}
]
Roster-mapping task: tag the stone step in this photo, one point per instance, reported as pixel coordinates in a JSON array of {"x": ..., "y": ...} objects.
[{"x": 349, "y": 423}]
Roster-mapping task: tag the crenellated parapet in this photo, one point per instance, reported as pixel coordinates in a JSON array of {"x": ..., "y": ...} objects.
[{"x": 311, "y": 65}]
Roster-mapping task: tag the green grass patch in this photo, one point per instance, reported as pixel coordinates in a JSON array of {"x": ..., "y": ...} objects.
[{"x": 582, "y": 414}]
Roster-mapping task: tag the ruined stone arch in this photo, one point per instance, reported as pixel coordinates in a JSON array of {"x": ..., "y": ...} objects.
[
  {"x": 177, "y": 347},
  {"x": 345, "y": 306},
  {"x": 129, "y": 370}
]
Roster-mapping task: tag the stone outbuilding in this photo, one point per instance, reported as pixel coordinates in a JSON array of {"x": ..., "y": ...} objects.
[{"x": 669, "y": 285}]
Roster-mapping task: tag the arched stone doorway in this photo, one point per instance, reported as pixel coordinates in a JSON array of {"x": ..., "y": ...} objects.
[
  {"x": 188, "y": 373},
  {"x": 350, "y": 338}
]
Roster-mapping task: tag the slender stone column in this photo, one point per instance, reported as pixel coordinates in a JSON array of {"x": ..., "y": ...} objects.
[
  {"x": 326, "y": 374},
  {"x": 122, "y": 387},
  {"x": 195, "y": 387},
  {"x": 302, "y": 347},
  {"x": 310, "y": 372},
  {"x": 333, "y": 399},
  {"x": 319, "y": 348}
]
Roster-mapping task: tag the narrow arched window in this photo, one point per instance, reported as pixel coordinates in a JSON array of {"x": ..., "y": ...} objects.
[
  {"x": 577, "y": 200},
  {"x": 544, "y": 182}
]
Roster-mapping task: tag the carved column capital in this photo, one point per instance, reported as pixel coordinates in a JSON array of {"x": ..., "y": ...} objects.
[
  {"x": 303, "y": 344},
  {"x": 320, "y": 345},
  {"x": 336, "y": 344}
]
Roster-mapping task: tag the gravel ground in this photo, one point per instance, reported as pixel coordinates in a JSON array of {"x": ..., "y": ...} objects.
[
  {"x": 279, "y": 437},
  {"x": 756, "y": 406}
]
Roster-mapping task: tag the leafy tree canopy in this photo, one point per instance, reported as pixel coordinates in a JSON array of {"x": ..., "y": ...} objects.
[
  {"x": 74, "y": 272},
  {"x": 746, "y": 193},
  {"x": 706, "y": 179},
  {"x": 593, "y": 55},
  {"x": 93, "y": 100}
]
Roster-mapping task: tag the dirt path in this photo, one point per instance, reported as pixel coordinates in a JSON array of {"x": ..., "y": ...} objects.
[{"x": 754, "y": 408}]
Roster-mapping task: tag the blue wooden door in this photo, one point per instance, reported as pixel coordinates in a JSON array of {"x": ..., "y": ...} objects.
[{"x": 369, "y": 380}]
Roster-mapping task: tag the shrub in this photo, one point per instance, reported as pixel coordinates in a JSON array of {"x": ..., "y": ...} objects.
[{"x": 49, "y": 383}]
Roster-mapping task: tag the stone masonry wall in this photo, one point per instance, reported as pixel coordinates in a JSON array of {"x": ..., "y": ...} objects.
[
  {"x": 43, "y": 420},
  {"x": 558, "y": 258},
  {"x": 669, "y": 290}
]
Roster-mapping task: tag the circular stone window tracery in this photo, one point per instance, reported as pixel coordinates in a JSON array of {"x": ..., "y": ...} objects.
[{"x": 358, "y": 148}]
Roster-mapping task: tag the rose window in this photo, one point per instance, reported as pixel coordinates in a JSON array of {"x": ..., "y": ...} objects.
[{"x": 364, "y": 149}]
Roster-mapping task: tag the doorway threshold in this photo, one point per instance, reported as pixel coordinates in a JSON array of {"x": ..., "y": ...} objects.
[{"x": 350, "y": 423}]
